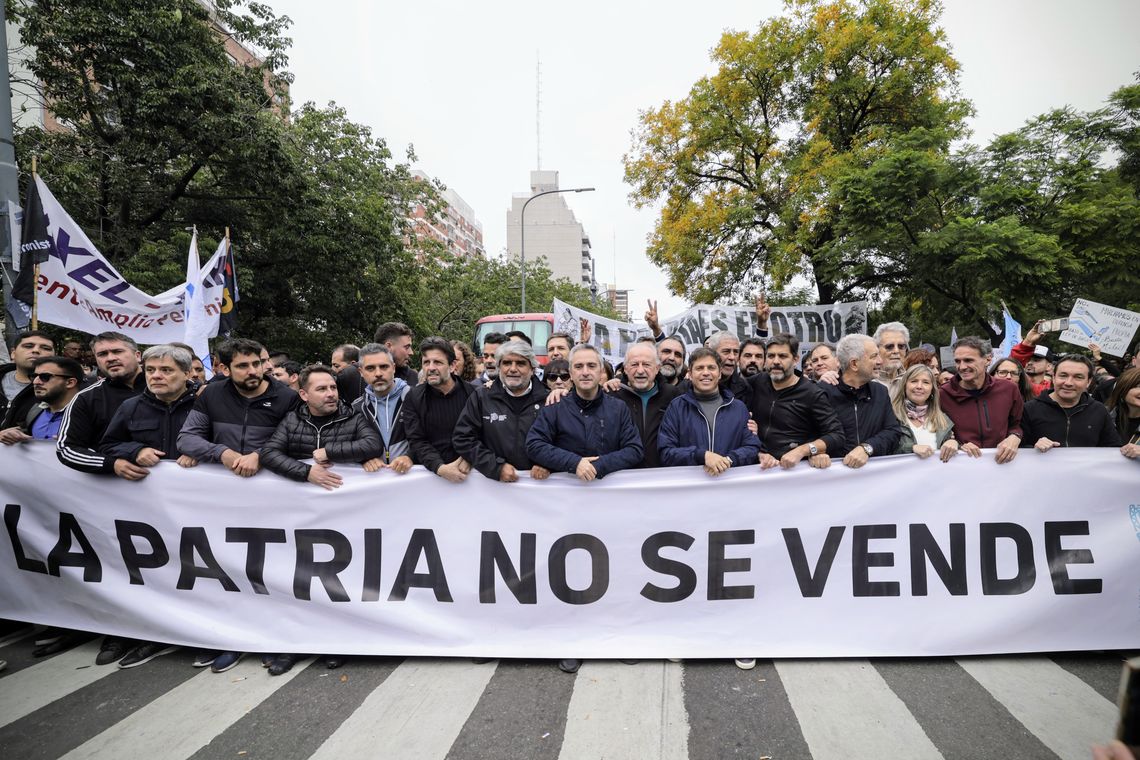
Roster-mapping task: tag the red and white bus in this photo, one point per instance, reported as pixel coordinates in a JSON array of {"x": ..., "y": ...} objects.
[{"x": 535, "y": 325}]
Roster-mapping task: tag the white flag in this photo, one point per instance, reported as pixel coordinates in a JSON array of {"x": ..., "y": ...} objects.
[{"x": 199, "y": 325}]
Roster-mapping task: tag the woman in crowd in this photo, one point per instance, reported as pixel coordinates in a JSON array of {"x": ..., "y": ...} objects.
[
  {"x": 1124, "y": 405},
  {"x": 464, "y": 365},
  {"x": 1011, "y": 370},
  {"x": 925, "y": 428},
  {"x": 557, "y": 375}
]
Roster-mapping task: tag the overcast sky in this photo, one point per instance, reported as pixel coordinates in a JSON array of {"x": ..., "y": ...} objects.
[{"x": 457, "y": 80}]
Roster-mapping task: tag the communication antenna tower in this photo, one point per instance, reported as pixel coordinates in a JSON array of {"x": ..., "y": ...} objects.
[{"x": 538, "y": 110}]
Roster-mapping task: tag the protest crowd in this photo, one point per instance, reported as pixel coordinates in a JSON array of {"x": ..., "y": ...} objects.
[{"x": 493, "y": 411}]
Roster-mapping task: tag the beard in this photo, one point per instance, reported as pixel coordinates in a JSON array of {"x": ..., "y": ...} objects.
[{"x": 668, "y": 371}]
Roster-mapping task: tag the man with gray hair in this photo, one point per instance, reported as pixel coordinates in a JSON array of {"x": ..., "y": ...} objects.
[
  {"x": 870, "y": 427},
  {"x": 893, "y": 341},
  {"x": 383, "y": 397},
  {"x": 492, "y": 429},
  {"x": 646, "y": 396},
  {"x": 727, "y": 347}
]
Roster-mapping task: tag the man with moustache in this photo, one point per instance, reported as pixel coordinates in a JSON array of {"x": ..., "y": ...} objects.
[
  {"x": 381, "y": 405},
  {"x": 232, "y": 419},
  {"x": 558, "y": 346},
  {"x": 893, "y": 341},
  {"x": 752, "y": 357},
  {"x": 55, "y": 381},
  {"x": 727, "y": 347},
  {"x": 671, "y": 354},
  {"x": 492, "y": 429},
  {"x": 795, "y": 421},
  {"x": 646, "y": 396},
  {"x": 432, "y": 409}
]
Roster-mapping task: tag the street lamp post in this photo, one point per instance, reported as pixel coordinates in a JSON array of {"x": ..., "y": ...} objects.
[{"x": 522, "y": 231}]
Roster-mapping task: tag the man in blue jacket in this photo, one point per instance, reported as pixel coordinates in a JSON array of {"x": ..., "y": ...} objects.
[
  {"x": 870, "y": 426},
  {"x": 589, "y": 433},
  {"x": 706, "y": 425}
]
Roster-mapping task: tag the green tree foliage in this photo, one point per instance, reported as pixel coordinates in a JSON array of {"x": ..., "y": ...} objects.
[
  {"x": 453, "y": 293},
  {"x": 830, "y": 144},
  {"x": 163, "y": 131},
  {"x": 161, "y": 128},
  {"x": 745, "y": 164}
]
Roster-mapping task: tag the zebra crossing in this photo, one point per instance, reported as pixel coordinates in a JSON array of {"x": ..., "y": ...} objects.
[{"x": 1032, "y": 707}]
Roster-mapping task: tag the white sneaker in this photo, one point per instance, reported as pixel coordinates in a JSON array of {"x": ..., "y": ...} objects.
[{"x": 745, "y": 663}]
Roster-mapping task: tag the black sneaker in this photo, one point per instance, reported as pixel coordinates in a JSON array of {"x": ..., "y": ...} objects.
[
  {"x": 205, "y": 658},
  {"x": 145, "y": 653},
  {"x": 334, "y": 661},
  {"x": 283, "y": 663},
  {"x": 48, "y": 636},
  {"x": 226, "y": 660},
  {"x": 569, "y": 666},
  {"x": 112, "y": 650}
]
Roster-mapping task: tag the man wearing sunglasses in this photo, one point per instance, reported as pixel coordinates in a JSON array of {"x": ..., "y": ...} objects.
[
  {"x": 55, "y": 381},
  {"x": 893, "y": 340}
]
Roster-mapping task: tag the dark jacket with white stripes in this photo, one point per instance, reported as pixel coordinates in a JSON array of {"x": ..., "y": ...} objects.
[
  {"x": 143, "y": 421},
  {"x": 224, "y": 419},
  {"x": 492, "y": 429},
  {"x": 87, "y": 418},
  {"x": 348, "y": 436}
]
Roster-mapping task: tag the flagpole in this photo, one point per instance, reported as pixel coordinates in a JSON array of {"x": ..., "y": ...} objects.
[{"x": 36, "y": 271}]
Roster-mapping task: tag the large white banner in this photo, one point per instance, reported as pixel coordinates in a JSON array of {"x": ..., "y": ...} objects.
[
  {"x": 80, "y": 289},
  {"x": 824, "y": 323},
  {"x": 901, "y": 558}
]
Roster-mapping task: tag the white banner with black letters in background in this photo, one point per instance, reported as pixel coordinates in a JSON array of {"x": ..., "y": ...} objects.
[{"x": 901, "y": 558}]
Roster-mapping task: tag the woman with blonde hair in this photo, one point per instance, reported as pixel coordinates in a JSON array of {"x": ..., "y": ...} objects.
[{"x": 924, "y": 426}]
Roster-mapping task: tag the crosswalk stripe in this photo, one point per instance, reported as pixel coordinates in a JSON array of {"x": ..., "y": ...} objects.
[
  {"x": 417, "y": 712},
  {"x": 1060, "y": 709},
  {"x": 178, "y": 723},
  {"x": 848, "y": 712},
  {"x": 619, "y": 710},
  {"x": 31, "y": 688}
]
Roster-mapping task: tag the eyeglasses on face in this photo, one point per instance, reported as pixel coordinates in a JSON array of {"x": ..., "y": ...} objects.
[
  {"x": 45, "y": 377},
  {"x": 558, "y": 376},
  {"x": 1007, "y": 373},
  {"x": 895, "y": 346}
]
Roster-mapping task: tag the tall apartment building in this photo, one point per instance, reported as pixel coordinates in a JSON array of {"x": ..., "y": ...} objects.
[
  {"x": 618, "y": 300},
  {"x": 553, "y": 232},
  {"x": 455, "y": 226}
]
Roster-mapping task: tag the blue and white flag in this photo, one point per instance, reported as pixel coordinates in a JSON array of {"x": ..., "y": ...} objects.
[
  {"x": 1012, "y": 332},
  {"x": 199, "y": 325}
]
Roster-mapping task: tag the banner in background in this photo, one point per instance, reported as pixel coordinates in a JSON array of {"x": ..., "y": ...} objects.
[
  {"x": 823, "y": 323},
  {"x": 895, "y": 559},
  {"x": 1107, "y": 326},
  {"x": 81, "y": 290}
]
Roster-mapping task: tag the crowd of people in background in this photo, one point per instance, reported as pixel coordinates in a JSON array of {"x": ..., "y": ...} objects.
[{"x": 495, "y": 410}]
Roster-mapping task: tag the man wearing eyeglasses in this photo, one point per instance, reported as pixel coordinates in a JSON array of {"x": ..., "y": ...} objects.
[
  {"x": 893, "y": 340},
  {"x": 55, "y": 381}
]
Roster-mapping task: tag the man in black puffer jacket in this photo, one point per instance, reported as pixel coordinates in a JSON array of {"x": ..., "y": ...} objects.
[
  {"x": 323, "y": 429},
  {"x": 145, "y": 427}
]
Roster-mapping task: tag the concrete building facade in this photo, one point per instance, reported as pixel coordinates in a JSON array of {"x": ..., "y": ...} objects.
[
  {"x": 553, "y": 232},
  {"x": 455, "y": 226}
]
